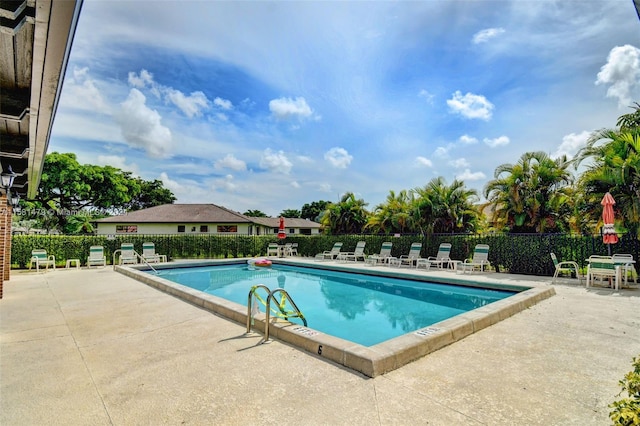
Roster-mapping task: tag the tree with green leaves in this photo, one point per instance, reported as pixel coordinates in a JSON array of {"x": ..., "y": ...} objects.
[
  {"x": 255, "y": 213},
  {"x": 69, "y": 190},
  {"x": 348, "y": 216},
  {"x": 314, "y": 210},
  {"x": 293, "y": 213},
  {"x": 522, "y": 195},
  {"x": 393, "y": 215}
]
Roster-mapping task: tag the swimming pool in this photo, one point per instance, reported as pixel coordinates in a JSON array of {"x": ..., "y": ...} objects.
[
  {"x": 364, "y": 309},
  {"x": 370, "y": 360}
]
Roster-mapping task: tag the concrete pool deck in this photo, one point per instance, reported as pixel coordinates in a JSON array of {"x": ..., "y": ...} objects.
[{"x": 94, "y": 347}]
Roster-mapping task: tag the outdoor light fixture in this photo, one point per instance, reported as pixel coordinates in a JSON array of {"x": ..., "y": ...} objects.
[
  {"x": 7, "y": 178},
  {"x": 14, "y": 200}
]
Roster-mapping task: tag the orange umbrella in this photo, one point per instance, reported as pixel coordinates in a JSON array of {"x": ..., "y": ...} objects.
[
  {"x": 609, "y": 235},
  {"x": 281, "y": 232}
]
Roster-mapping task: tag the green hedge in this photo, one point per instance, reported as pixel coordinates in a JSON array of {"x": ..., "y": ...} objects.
[{"x": 517, "y": 253}]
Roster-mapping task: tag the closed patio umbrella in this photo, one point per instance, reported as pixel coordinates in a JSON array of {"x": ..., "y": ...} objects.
[
  {"x": 609, "y": 235},
  {"x": 281, "y": 232}
]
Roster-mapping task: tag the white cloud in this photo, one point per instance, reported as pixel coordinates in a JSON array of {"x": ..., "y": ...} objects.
[
  {"x": 142, "y": 80},
  {"x": 470, "y": 106},
  {"x": 141, "y": 126},
  {"x": 425, "y": 94},
  {"x": 622, "y": 72},
  {"x": 422, "y": 161},
  {"x": 223, "y": 103},
  {"x": 499, "y": 141},
  {"x": 571, "y": 143},
  {"x": 118, "y": 162},
  {"x": 285, "y": 108},
  {"x": 459, "y": 163},
  {"x": 467, "y": 175},
  {"x": 191, "y": 106},
  {"x": 275, "y": 162},
  {"x": 295, "y": 184},
  {"x": 225, "y": 184},
  {"x": 81, "y": 92},
  {"x": 485, "y": 35},
  {"x": 468, "y": 140},
  {"x": 338, "y": 157},
  {"x": 441, "y": 152},
  {"x": 171, "y": 184},
  {"x": 324, "y": 187},
  {"x": 230, "y": 162}
]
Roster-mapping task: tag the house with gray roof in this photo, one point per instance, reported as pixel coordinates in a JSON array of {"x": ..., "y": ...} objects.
[{"x": 198, "y": 219}]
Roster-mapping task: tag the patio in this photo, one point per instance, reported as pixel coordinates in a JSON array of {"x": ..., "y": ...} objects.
[{"x": 95, "y": 347}]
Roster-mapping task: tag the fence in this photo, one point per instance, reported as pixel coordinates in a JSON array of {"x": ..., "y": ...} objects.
[{"x": 516, "y": 253}]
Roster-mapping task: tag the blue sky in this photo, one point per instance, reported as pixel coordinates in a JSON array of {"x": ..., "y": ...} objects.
[{"x": 269, "y": 105}]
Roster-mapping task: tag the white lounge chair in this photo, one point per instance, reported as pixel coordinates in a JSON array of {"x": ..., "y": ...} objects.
[
  {"x": 411, "y": 258},
  {"x": 294, "y": 249},
  {"x": 127, "y": 254},
  {"x": 96, "y": 256},
  {"x": 272, "y": 249},
  {"x": 149, "y": 253},
  {"x": 358, "y": 253},
  {"x": 40, "y": 258},
  {"x": 626, "y": 263},
  {"x": 602, "y": 267},
  {"x": 565, "y": 266},
  {"x": 480, "y": 260},
  {"x": 382, "y": 257},
  {"x": 330, "y": 254},
  {"x": 441, "y": 258}
]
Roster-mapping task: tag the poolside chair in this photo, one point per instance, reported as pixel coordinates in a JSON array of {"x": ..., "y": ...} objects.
[
  {"x": 273, "y": 250},
  {"x": 441, "y": 258},
  {"x": 565, "y": 266},
  {"x": 40, "y": 258},
  {"x": 410, "y": 258},
  {"x": 358, "y": 253},
  {"x": 330, "y": 254},
  {"x": 480, "y": 260},
  {"x": 601, "y": 267},
  {"x": 294, "y": 249},
  {"x": 96, "y": 256},
  {"x": 149, "y": 253},
  {"x": 127, "y": 254},
  {"x": 382, "y": 257},
  {"x": 626, "y": 263}
]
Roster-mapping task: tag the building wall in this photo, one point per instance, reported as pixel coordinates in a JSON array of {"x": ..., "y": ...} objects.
[{"x": 167, "y": 228}]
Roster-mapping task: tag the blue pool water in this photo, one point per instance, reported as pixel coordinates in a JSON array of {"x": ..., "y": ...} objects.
[{"x": 360, "y": 308}]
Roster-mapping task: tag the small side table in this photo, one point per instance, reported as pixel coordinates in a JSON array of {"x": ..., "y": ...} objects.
[
  {"x": 423, "y": 262},
  {"x": 75, "y": 262}
]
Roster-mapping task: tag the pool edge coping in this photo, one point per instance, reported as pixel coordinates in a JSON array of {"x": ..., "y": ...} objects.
[{"x": 371, "y": 361}]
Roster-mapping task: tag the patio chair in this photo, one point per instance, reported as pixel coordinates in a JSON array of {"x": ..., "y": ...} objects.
[
  {"x": 294, "y": 249},
  {"x": 565, "y": 266},
  {"x": 40, "y": 258},
  {"x": 330, "y": 254},
  {"x": 442, "y": 257},
  {"x": 96, "y": 256},
  {"x": 603, "y": 267},
  {"x": 480, "y": 260},
  {"x": 149, "y": 253},
  {"x": 382, "y": 257},
  {"x": 358, "y": 253},
  {"x": 626, "y": 263},
  {"x": 410, "y": 258},
  {"x": 127, "y": 254},
  {"x": 272, "y": 249}
]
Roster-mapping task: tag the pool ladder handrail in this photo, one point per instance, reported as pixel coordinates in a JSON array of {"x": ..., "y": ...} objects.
[
  {"x": 296, "y": 313},
  {"x": 142, "y": 259}
]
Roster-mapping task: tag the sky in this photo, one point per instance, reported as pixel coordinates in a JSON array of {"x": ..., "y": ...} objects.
[{"x": 270, "y": 105}]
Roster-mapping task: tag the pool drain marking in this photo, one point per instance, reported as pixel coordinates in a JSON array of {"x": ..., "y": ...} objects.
[
  {"x": 305, "y": 331},
  {"x": 427, "y": 331}
]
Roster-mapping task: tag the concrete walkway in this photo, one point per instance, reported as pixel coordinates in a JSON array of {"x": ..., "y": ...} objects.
[{"x": 93, "y": 347}]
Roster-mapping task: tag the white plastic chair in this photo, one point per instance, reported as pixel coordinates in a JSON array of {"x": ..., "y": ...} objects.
[
  {"x": 626, "y": 262},
  {"x": 565, "y": 266}
]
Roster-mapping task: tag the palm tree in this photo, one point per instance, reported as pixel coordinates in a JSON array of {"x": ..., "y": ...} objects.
[
  {"x": 614, "y": 168},
  {"x": 523, "y": 195},
  {"x": 392, "y": 216},
  {"x": 442, "y": 208},
  {"x": 348, "y": 216}
]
